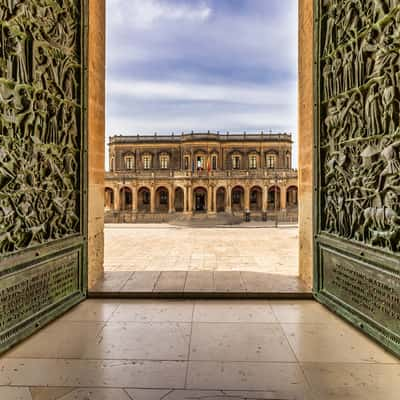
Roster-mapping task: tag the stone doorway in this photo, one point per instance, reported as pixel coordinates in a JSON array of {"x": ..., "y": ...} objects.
[{"x": 200, "y": 200}]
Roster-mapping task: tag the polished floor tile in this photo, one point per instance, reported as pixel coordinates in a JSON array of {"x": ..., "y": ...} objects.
[
  {"x": 239, "y": 342},
  {"x": 62, "y": 339},
  {"x": 92, "y": 373},
  {"x": 305, "y": 311},
  {"x": 233, "y": 311},
  {"x": 154, "y": 311},
  {"x": 199, "y": 350},
  {"x": 327, "y": 343},
  {"x": 141, "y": 341},
  {"x": 354, "y": 381},
  {"x": 281, "y": 378},
  {"x": 92, "y": 311}
]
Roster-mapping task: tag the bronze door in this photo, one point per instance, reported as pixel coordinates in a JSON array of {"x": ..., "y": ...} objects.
[
  {"x": 357, "y": 164},
  {"x": 43, "y": 228}
]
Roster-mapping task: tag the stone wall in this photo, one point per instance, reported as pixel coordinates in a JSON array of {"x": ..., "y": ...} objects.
[
  {"x": 305, "y": 139},
  {"x": 96, "y": 146}
]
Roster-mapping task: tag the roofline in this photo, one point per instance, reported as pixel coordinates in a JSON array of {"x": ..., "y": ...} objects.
[{"x": 199, "y": 136}]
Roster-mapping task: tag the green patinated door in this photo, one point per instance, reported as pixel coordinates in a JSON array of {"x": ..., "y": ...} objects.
[
  {"x": 42, "y": 163},
  {"x": 357, "y": 163}
]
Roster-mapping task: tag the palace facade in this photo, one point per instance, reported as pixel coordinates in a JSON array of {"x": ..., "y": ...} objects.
[{"x": 154, "y": 178}]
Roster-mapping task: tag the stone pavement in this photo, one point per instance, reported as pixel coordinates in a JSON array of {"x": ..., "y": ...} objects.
[
  {"x": 161, "y": 247},
  {"x": 159, "y": 260}
]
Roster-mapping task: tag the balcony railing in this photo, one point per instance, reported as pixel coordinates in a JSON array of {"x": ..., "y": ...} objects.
[{"x": 215, "y": 174}]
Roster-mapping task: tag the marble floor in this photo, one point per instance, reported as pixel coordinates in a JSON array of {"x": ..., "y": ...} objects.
[{"x": 199, "y": 350}]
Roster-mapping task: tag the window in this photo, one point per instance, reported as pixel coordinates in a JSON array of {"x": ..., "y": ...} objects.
[
  {"x": 236, "y": 162},
  {"x": 271, "y": 160},
  {"x": 129, "y": 162},
  {"x": 253, "y": 161},
  {"x": 186, "y": 162},
  {"x": 146, "y": 162},
  {"x": 112, "y": 164},
  {"x": 146, "y": 197},
  {"x": 214, "y": 162},
  {"x": 236, "y": 197},
  {"x": 200, "y": 163},
  {"x": 164, "y": 159},
  {"x": 288, "y": 161},
  {"x": 163, "y": 197}
]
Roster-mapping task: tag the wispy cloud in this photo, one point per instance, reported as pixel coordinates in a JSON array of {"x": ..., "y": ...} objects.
[
  {"x": 145, "y": 14},
  {"x": 179, "y": 65}
]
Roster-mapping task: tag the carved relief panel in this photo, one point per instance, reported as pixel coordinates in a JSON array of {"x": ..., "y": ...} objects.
[
  {"x": 358, "y": 160},
  {"x": 42, "y": 163},
  {"x": 40, "y": 123},
  {"x": 360, "y": 131}
]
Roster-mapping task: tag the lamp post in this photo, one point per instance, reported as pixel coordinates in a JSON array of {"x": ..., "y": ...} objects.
[{"x": 275, "y": 196}]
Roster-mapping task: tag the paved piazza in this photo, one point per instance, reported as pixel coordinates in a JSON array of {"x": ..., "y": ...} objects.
[{"x": 161, "y": 247}]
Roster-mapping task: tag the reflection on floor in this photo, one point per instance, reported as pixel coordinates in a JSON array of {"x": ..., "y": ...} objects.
[
  {"x": 161, "y": 260},
  {"x": 178, "y": 350}
]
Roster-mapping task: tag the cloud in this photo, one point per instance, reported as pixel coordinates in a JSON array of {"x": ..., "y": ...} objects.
[
  {"x": 182, "y": 65},
  {"x": 160, "y": 90},
  {"x": 144, "y": 14}
]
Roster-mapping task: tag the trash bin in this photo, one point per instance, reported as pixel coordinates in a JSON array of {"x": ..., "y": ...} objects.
[
  {"x": 247, "y": 216},
  {"x": 264, "y": 216}
]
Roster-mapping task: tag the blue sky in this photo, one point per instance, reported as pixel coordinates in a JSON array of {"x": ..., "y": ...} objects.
[{"x": 219, "y": 65}]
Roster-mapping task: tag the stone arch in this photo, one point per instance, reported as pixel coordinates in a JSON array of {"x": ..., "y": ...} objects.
[
  {"x": 162, "y": 199},
  {"x": 237, "y": 198},
  {"x": 179, "y": 199},
  {"x": 109, "y": 200},
  {"x": 274, "y": 198},
  {"x": 144, "y": 199},
  {"x": 200, "y": 200},
  {"x": 221, "y": 199},
  {"x": 292, "y": 198},
  {"x": 126, "y": 198},
  {"x": 256, "y": 198}
]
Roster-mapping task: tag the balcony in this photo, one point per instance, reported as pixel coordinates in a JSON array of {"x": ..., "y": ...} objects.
[{"x": 282, "y": 173}]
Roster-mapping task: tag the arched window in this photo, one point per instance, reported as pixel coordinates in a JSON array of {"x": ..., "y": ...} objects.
[
  {"x": 253, "y": 161},
  {"x": 164, "y": 161},
  {"x": 112, "y": 164},
  {"x": 146, "y": 162},
  {"x": 236, "y": 161},
  {"x": 271, "y": 160},
  {"x": 129, "y": 162}
]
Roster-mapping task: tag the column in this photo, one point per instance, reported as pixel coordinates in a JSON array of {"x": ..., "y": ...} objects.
[
  {"x": 228, "y": 205},
  {"x": 265, "y": 199},
  {"x": 246, "y": 198},
  {"x": 116, "y": 199},
  {"x": 209, "y": 199},
  {"x": 134, "y": 199},
  {"x": 190, "y": 199},
  {"x": 171, "y": 200},
  {"x": 152, "y": 199},
  {"x": 185, "y": 199},
  {"x": 214, "y": 197},
  {"x": 283, "y": 198}
]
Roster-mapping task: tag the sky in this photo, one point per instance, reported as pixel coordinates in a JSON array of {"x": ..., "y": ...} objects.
[{"x": 199, "y": 65}]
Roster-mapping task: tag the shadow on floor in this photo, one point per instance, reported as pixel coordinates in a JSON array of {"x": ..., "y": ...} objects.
[{"x": 199, "y": 284}]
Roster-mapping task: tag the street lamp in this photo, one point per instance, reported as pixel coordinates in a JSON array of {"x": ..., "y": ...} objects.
[{"x": 275, "y": 196}]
